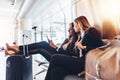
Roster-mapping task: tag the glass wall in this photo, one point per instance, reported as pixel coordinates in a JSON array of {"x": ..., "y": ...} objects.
[{"x": 55, "y": 22}]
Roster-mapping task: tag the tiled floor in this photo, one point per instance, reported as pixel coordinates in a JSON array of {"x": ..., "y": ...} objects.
[
  {"x": 40, "y": 76},
  {"x": 37, "y": 69}
]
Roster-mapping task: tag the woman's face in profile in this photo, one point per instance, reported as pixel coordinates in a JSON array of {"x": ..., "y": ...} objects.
[
  {"x": 70, "y": 30},
  {"x": 76, "y": 27}
]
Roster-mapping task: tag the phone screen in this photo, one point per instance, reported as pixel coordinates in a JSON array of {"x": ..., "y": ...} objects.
[{"x": 48, "y": 38}]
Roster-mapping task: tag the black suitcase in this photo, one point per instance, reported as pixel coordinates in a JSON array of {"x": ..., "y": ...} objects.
[{"x": 19, "y": 68}]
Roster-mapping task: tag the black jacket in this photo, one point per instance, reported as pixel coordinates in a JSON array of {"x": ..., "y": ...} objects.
[
  {"x": 69, "y": 51},
  {"x": 91, "y": 39}
]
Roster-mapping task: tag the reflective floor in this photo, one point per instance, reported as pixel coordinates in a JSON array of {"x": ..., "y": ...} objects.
[{"x": 39, "y": 69}]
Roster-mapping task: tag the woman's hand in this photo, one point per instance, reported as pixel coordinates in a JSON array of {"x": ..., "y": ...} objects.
[
  {"x": 52, "y": 44},
  {"x": 79, "y": 45}
]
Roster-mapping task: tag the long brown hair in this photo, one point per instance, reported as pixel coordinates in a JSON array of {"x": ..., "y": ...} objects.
[
  {"x": 74, "y": 34},
  {"x": 84, "y": 21}
]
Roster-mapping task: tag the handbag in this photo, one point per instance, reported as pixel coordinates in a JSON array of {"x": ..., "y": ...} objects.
[{"x": 103, "y": 63}]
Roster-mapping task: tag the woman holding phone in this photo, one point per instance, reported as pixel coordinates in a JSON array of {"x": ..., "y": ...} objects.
[
  {"x": 46, "y": 49},
  {"x": 62, "y": 65}
]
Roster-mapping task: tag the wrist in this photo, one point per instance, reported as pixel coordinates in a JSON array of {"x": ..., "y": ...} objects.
[
  {"x": 84, "y": 47},
  {"x": 57, "y": 48}
]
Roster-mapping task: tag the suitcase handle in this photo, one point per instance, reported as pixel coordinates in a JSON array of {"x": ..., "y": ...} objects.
[{"x": 25, "y": 49}]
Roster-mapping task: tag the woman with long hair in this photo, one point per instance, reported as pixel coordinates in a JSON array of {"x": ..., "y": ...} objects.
[
  {"x": 62, "y": 65},
  {"x": 46, "y": 49}
]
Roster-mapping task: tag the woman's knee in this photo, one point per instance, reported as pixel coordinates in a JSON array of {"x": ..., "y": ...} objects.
[
  {"x": 43, "y": 42},
  {"x": 56, "y": 58}
]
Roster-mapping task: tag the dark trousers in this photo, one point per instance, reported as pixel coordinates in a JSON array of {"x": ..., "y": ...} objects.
[
  {"x": 42, "y": 48},
  {"x": 62, "y": 65}
]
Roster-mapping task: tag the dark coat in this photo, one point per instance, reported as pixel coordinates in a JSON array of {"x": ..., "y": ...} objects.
[{"x": 91, "y": 39}]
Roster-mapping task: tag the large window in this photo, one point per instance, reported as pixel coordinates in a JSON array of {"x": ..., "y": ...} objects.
[{"x": 54, "y": 24}]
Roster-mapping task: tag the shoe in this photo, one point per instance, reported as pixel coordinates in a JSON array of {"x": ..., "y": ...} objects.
[
  {"x": 13, "y": 48},
  {"x": 9, "y": 52}
]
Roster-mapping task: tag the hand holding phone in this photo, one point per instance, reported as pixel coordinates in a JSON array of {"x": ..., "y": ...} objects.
[{"x": 51, "y": 43}]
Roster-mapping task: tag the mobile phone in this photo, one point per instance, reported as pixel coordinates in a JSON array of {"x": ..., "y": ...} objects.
[{"x": 48, "y": 38}]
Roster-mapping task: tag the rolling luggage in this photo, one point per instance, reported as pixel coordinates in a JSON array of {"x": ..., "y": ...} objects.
[
  {"x": 103, "y": 63},
  {"x": 18, "y": 68}
]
